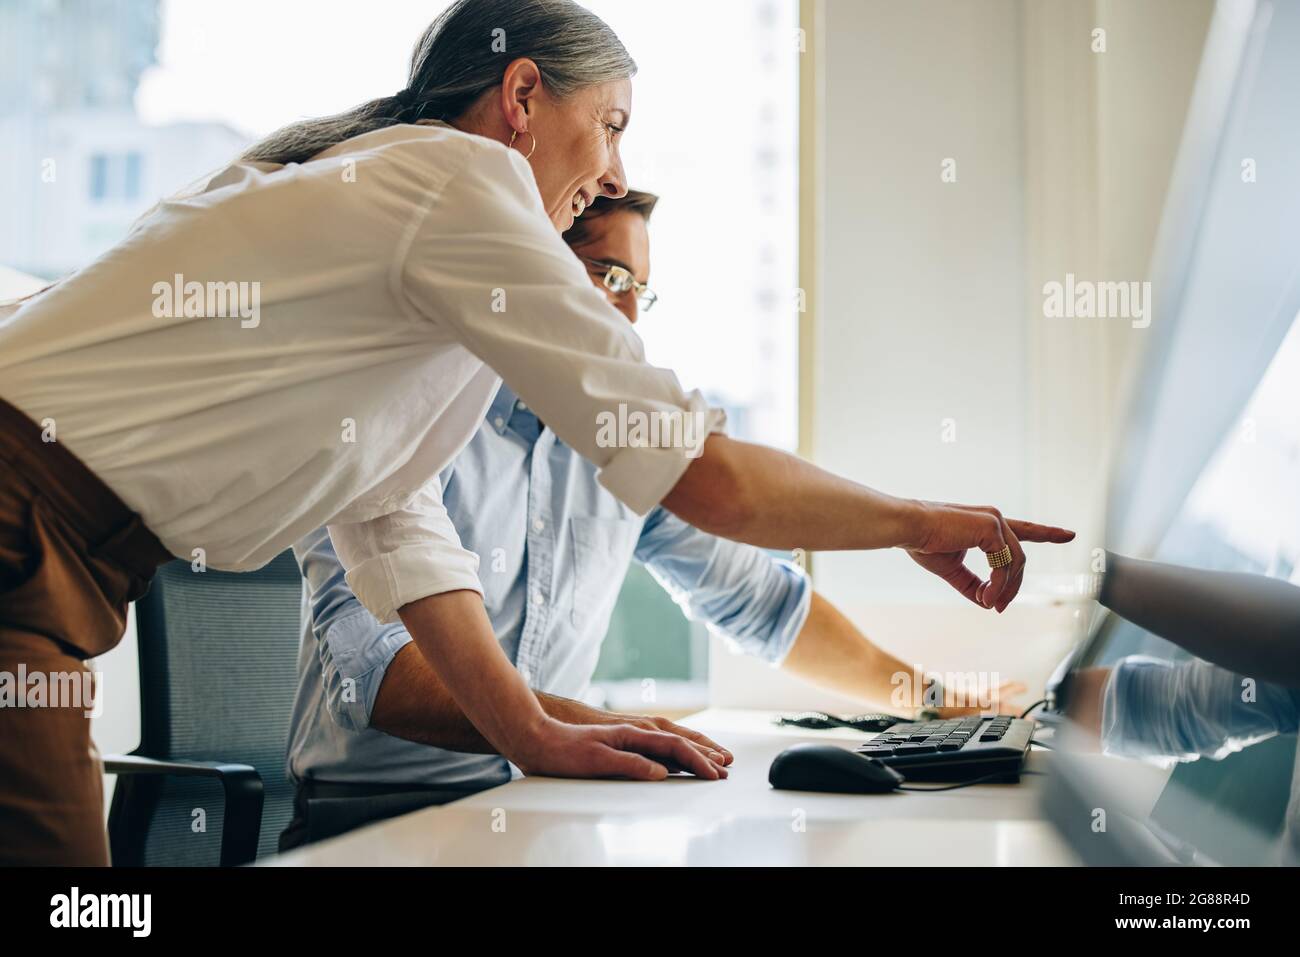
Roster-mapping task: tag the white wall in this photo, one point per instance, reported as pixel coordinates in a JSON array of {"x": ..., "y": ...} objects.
[
  {"x": 929, "y": 305},
  {"x": 921, "y": 304}
]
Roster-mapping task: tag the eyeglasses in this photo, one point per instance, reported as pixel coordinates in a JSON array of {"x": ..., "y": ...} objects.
[{"x": 619, "y": 281}]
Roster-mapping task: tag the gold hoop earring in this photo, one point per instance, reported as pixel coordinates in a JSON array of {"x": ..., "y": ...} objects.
[{"x": 529, "y": 154}]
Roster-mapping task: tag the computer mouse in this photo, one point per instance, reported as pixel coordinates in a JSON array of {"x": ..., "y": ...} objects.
[{"x": 824, "y": 767}]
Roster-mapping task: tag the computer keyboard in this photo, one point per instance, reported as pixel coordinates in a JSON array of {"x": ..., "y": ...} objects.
[{"x": 958, "y": 749}]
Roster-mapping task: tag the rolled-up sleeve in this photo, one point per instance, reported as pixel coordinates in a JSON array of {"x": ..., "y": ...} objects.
[
  {"x": 744, "y": 594},
  {"x": 486, "y": 265},
  {"x": 1153, "y": 708},
  {"x": 405, "y": 555},
  {"x": 353, "y": 648}
]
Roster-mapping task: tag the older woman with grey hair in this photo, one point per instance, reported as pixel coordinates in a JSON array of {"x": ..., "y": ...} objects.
[{"x": 312, "y": 335}]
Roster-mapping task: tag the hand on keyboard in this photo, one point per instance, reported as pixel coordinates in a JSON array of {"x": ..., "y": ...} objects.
[{"x": 1005, "y": 701}]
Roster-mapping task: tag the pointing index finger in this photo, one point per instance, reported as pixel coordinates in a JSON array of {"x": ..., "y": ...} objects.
[{"x": 1033, "y": 532}]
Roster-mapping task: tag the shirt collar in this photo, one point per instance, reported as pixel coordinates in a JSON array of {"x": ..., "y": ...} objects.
[{"x": 505, "y": 406}]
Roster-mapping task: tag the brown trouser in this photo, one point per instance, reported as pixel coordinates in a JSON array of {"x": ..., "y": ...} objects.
[{"x": 72, "y": 556}]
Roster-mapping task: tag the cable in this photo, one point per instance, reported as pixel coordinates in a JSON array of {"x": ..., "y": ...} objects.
[
  {"x": 966, "y": 784},
  {"x": 952, "y": 787},
  {"x": 1025, "y": 713}
]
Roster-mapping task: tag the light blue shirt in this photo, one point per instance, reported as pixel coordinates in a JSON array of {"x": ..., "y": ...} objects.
[
  {"x": 1185, "y": 710},
  {"x": 553, "y": 547}
]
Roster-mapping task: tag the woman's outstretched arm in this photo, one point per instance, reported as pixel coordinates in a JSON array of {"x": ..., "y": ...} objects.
[{"x": 765, "y": 497}]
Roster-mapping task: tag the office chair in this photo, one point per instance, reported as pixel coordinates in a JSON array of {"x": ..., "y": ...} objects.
[{"x": 218, "y": 671}]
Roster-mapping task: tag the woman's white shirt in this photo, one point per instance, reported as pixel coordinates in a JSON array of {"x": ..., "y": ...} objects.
[{"x": 383, "y": 286}]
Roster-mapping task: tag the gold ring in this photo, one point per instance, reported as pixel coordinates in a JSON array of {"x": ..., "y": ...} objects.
[{"x": 999, "y": 559}]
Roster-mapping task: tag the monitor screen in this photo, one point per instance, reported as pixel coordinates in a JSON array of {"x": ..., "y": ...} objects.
[
  {"x": 1243, "y": 512},
  {"x": 1243, "y": 515},
  {"x": 1208, "y": 474}
]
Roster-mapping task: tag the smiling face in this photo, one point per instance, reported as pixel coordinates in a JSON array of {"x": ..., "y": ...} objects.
[
  {"x": 571, "y": 142},
  {"x": 618, "y": 238},
  {"x": 577, "y": 155}
]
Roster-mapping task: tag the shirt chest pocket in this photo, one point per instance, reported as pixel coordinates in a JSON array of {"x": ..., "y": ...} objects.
[{"x": 602, "y": 548}]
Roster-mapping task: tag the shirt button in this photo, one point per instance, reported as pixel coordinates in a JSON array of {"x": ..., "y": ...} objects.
[
  {"x": 538, "y": 525},
  {"x": 499, "y": 422},
  {"x": 525, "y": 674},
  {"x": 520, "y": 406},
  {"x": 538, "y": 597}
]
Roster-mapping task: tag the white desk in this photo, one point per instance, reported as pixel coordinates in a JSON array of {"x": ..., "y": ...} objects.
[{"x": 683, "y": 821}]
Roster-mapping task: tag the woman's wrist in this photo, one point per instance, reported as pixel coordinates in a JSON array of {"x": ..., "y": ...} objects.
[{"x": 910, "y": 520}]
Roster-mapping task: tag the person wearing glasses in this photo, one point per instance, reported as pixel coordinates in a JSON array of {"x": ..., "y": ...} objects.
[
  {"x": 613, "y": 242},
  {"x": 375, "y": 733}
]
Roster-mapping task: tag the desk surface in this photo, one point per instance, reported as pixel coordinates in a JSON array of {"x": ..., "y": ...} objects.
[{"x": 683, "y": 821}]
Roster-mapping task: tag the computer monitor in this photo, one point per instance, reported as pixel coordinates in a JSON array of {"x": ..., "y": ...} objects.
[
  {"x": 1243, "y": 515},
  {"x": 1208, "y": 472}
]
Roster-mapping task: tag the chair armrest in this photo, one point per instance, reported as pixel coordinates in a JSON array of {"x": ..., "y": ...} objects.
[
  {"x": 243, "y": 797},
  {"x": 137, "y": 764}
]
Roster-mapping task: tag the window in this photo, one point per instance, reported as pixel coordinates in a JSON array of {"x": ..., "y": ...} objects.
[
  {"x": 99, "y": 177},
  {"x": 131, "y": 177},
  {"x": 115, "y": 177},
  {"x": 724, "y": 235},
  {"x": 724, "y": 262}
]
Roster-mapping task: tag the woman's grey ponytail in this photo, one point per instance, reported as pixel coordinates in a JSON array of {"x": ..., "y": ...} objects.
[{"x": 463, "y": 53}]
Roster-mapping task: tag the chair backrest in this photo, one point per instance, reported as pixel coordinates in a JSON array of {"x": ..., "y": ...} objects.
[{"x": 218, "y": 671}]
